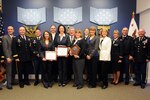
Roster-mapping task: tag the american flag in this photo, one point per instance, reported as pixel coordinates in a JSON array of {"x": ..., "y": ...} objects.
[{"x": 1, "y": 25}]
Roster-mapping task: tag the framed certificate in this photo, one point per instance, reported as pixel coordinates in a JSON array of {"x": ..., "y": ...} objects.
[
  {"x": 75, "y": 50},
  {"x": 62, "y": 51},
  {"x": 50, "y": 55}
]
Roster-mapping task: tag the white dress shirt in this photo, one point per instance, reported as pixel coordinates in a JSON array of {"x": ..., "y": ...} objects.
[{"x": 53, "y": 35}]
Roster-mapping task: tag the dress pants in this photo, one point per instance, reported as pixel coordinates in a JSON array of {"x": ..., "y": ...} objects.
[
  {"x": 37, "y": 67},
  {"x": 55, "y": 70},
  {"x": 78, "y": 66},
  {"x": 99, "y": 72},
  {"x": 47, "y": 71},
  {"x": 140, "y": 72},
  {"x": 126, "y": 63},
  {"x": 92, "y": 70},
  {"x": 23, "y": 69},
  {"x": 62, "y": 70},
  {"x": 69, "y": 68},
  {"x": 105, "y": 65},
  {"x": 9, "y": 73}
]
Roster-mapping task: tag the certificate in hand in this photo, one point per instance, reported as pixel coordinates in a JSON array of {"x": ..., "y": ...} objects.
[
  {"x": 62, "y": 51},
  {"x": 50, "y": 55},
  {"x": 75, "y": 50}
]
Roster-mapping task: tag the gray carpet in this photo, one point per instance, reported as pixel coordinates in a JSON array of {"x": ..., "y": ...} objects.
[{"x": 119, "y": 92}]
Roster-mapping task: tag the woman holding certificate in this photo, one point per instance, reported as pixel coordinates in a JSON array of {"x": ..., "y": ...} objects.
[
  {"x": 92, "y": 57},
  {"x": 62, "y": 42},
  {"x": 77, "y": 51},
  {"x": 46, "y": 45}
]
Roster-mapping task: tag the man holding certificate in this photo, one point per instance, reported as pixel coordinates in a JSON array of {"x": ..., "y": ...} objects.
[
  {"x": 48, "y": 55},
  {"x": 77, "y": 51},
  {"x": 62, "y": 42}
]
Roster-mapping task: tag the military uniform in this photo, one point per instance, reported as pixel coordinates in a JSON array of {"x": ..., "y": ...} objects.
[
  {"x": 35, "y": 42},
  {"x": 141, "y": 54},
  {"x": 127, "y": 42},
  {"x": 22, "y": 50},
  {"x": 116, "y": 54}
]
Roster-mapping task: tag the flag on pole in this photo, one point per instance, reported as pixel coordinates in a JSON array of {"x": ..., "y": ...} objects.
[
  {"x": 133, "y": 29},
  {"x": 1, "y": 24}
]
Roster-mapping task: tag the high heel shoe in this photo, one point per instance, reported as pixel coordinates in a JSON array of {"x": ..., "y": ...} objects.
[
  {"x": 116, "y": 83},
  {"x": 113, "y": 82},
  {"x": 45, "y": 85}
]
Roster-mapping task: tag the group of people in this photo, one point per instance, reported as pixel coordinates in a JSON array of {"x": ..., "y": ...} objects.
[{"x": 98, "y": 54}]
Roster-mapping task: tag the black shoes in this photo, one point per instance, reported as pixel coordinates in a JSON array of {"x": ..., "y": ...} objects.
[
  {"x": 36, "y": 83},
  {"x": 50, "y": 85},
  {"x": 63, "y": 85},
  {"x": 112, "y": 82},
  {"x": 79, "y": 87},
  {"x": 59, "y": 84},
  {"x": 136, "y": 84},
  {"x": 45, "y": 85},
  {"x": 21, "y": 85},
  {"x": 74, "y": 85},
  {"x": 9, "y": 87},
  {"x": 142, "y": 86},
  {"x": 104, "y": 87},
  {"x": 115, "y": 83},
  {"x": 91, "y": 86}
]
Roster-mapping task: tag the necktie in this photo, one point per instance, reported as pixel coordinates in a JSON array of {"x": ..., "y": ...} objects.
[
  {"x": 71, "y": 39},
  {"x": 114, "y": 41},
  {"x": 140, "y": 39},
  {"x": 38, "y": 38},
  {"x": 24, "y": 37}
]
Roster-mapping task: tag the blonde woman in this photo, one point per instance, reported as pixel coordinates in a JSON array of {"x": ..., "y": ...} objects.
[
  {"x": 105, "y": 57},
  {"x": 92, "y": 57},
  {"x": 116, "y": 56},
  {"x": 78, "y": 60}
]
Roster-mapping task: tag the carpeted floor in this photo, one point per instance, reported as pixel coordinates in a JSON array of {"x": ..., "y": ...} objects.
[{"x": 119, "y": 92}]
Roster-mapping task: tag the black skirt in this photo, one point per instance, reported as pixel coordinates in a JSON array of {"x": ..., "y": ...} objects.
[{"x": 115, "y": 66}]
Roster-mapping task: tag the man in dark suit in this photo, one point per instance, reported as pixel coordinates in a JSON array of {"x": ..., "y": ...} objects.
[
  {"x": 7, "y": 44},
  {"x": 36, "y": 57},
  {"x": 141, "y": 57},
  {"x": 54, "y": 63},
  {"x": 127, "y": 54},
  {"x": 70, "y": 58},
  {"x": 22, "y": 52}
]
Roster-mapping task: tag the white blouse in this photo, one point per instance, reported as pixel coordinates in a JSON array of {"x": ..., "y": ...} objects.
[{"x": 105, "y": 49}]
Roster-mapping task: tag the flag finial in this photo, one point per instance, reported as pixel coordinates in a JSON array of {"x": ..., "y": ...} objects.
[{"x": 133, "y": 14}]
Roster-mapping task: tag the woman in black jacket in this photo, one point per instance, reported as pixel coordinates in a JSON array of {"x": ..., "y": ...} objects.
[
  {"x": 116, "y": 56},
  {"x": 62, "y": 39},
  {"x": 79, "y": 61},
  {"x": 46, "y": 45}
]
